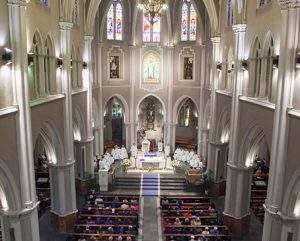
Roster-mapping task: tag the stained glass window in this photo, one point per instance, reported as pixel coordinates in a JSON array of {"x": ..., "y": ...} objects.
[
  {"x": 193, "y": 23},
  {"x": 184, "y": 22},
  {"x": 114, "y": 28},
  {"x": 45, "y": 3},
  {"x": 188, "y": 21},
  {"x": 151, "y": 33},
  {"x": 119, "y": 21},
  {"x": 151, "y": 68}
]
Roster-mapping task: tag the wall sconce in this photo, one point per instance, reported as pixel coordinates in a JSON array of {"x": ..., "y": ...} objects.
[
  {"x": 298, "y": 61},
  {"x": 59, "y": 62},
  {"x": 275, "y": 62},
  {"x": 7, "y": 56},
  {"x": 84, "y": 65},
  {"x": 71, "y": 63},
  {"x": 30, "y": 57},
  {"x": 219, "y": 66},
  {"x": 244, "y": 65}
]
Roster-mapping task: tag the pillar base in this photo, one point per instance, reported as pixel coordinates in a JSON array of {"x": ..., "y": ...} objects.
[
  {"x": 237, "y": 226},
  {"x": 63, "y": 223},
  {"x": 219, "y": 188}
]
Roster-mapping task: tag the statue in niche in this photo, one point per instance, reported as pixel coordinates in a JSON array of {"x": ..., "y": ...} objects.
[
  {"x": 188, "y": 65},
  {"x": 114, "y": 67},
  {"x": 150, "y": 115}
]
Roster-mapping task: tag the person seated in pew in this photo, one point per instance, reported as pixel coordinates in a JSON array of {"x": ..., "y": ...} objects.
[
  {"x": 215, "y": 231},
  {"x": 110, "y": 238},
  {"x": 99, "y": 202},
  {"x": 206, "y": 231},
  {"x": 187, "y": 214},
  {"x": 110, "y": 230},
  {"x": 125, "y": 206},
  {"x": 90, "y": 221},
  {"x": 164, "y": 201},
  {"x": 192, "y": 238},
  {"x": 81, "y": 238},
  {"x": 186, "y": 221},
  {"x": 120, "y": 238},
  {"x": 87, "y": 230},
  {"x": 196, "y": 221},
  {"x": 177, "y": 222},
  {"x": 128, "y": 238},
  {"x": 109, "y": 222}
]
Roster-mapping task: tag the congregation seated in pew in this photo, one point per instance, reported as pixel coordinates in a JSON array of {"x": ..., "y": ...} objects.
[
  {"x": 105, "y": 217},
  {"x": 191, "y": 218}
]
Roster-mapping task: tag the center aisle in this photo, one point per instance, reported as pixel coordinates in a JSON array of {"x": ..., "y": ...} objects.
[{"x": 150, "y": 216}]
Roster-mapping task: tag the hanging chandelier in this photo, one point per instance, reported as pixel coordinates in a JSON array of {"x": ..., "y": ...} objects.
[{"x": 153, "y": 9}]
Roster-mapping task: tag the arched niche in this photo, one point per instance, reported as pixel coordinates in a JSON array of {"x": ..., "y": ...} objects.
[
  {"x": 114, "y": 123},
  {"x": 47, "y": 154},
  {"x": 255, "y": 156},
  {"x": 186, "y": 133},
  {"x": 150, "y": 116}
]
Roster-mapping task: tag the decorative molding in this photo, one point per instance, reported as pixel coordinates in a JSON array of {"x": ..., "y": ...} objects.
[
  {"x": 262, "y": 103},
  {"x": 288, "y": 4},
  {"x": 9, "y": 110},
  {"x": 47, "y": 99}
]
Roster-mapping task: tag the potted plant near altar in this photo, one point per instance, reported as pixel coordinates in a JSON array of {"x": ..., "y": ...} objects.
[
  {"x": 126, "y": 163},
  {"x": 176, "y": 165},
  {"x": 208, "y": 181}
]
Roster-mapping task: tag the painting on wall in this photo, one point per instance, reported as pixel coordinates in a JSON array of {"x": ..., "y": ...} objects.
[
  {"x": 114, "y": 67},
  {"x": 188, "y": 65},
  {"x": 151, "y": 69}
]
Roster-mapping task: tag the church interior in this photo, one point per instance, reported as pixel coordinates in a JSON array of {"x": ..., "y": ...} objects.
[{"x": 149, "y": 120}]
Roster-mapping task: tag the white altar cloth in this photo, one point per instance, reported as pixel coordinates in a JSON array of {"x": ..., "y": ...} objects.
[{"x": 155, "y": 160}]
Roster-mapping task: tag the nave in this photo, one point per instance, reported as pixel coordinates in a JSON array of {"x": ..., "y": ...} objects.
[{"x": 147, "y": 212}]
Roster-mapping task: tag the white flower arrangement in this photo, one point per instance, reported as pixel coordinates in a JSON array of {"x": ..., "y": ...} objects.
[
  {"x": 126, "y": 163},
  {"x": 119, "y": 153},
  {"x": 189, "y": 157},
  {"x": 176, "y": 163}
]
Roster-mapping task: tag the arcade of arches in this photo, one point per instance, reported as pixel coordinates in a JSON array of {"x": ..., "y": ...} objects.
[{"x": 113, "y": 123}]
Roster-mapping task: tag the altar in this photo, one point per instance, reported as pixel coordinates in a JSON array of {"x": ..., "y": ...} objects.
[{"x": 154, "y": 160}]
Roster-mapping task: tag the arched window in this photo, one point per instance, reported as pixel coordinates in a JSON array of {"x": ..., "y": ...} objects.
[
  {"x": 116, "y": 110},
  {"x": 34, "y": 68},
  {"x": 268, "y": 53},
  {"x": 188, "y": 21},
  {"x": 114, "y": 28},
  {"x": 74, "y": 71},
  {"x": 256, "y": 69},
  {"x": 48, "y": 66},
  {"x": 184, "y": 116},
  {"x": 151, "y": 32}
]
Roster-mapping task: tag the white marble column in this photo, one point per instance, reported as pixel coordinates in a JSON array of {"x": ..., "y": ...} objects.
[
  {"x": 201, "y": 102},
  {"x": 213, "y": 102},
  {"x": 290, "y": 27},
  {"x": 132, "y": 109},
  {"x": 100, "y": 100},
  {"x": 62, "y": 174},
  {"x": 169, "y": 111},
  {"x": 88, "y": 85},
  {"x": 27, "y": 228},
  {"x": 237, "y": 199}
]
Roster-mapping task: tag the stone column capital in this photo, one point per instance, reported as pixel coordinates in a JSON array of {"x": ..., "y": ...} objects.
[
  {"x": 288, "y": 4},
  {"x": 239, "y": 28},
  {"x": 65, "y": 25},
  {"x": 18, "y": 2},
  {"x": 216, "y": 39},
  {"x": 88, "y": 38}
]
